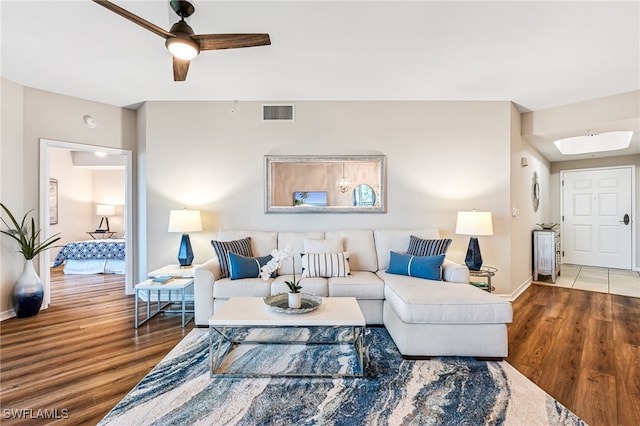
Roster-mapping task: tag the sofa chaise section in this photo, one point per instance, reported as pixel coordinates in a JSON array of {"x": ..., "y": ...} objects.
[{"x": 445, "y": 319}]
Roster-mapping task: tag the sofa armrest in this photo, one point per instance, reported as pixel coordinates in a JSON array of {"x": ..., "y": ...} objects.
[
  {"x": 454, "y": 272},
  {"x": 205, "y": 276}
]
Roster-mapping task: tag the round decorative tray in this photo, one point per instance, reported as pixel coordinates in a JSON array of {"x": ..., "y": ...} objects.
[{"x": 280, "y": 303}]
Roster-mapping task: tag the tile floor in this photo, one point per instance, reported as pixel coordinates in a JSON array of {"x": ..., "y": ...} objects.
[{"x": 603, "y": 280}]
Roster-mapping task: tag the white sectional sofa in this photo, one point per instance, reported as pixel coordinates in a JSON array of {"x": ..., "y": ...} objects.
[{"x": 424, "y": 317}]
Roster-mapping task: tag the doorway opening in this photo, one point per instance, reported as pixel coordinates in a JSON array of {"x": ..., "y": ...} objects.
[
  {"x": 598, "y": 217},
  {"x": 48, "y": 148}
]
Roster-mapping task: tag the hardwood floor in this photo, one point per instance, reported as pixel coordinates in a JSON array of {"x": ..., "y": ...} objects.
[
  {"x": 581, "y": 347},
  {"x": 83, "y": 355}
]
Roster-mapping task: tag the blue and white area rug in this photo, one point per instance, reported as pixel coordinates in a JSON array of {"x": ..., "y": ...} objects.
[{"x": 440, "y": 391}]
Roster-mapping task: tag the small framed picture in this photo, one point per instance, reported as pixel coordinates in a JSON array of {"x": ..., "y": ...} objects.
[{"x": 53, "y": 201}]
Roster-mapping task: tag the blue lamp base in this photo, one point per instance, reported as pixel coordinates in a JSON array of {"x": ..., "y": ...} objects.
[
  {"x": 473, "y": 260},
  {"x": 185, "y": 254}
]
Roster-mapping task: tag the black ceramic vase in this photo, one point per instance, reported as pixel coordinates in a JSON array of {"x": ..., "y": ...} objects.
[{"x": 28, "y": 292}]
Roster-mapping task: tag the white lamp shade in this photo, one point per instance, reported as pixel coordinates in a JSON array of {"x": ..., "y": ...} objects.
[
  {"x": 185, "y": 221},
  {"x": 474, "y": 223},
  {"x": 105, "y": 210}
]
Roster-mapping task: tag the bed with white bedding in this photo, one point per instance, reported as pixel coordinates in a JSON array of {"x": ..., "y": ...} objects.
[{"x": 105, "y": 256}]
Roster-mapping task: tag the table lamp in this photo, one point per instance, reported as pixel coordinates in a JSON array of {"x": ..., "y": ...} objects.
[
  {"x": 104, "y": 210},
  {"x": 474, "y": 223},
  {"x": 185, "y": 221}
]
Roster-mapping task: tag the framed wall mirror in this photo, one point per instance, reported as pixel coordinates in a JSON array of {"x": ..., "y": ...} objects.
[{"x": 325, "y": 184}]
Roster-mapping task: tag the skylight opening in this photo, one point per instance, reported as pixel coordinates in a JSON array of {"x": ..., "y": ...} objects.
[{"x": 611, "y": 141}]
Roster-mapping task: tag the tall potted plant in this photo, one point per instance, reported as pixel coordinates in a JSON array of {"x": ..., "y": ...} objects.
[{"x": 27, "y": 291}]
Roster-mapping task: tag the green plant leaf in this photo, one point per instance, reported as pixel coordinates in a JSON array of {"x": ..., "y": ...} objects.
[{"x": 27, "y": 237}]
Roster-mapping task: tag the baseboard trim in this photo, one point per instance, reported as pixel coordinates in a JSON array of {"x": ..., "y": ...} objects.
[
  {"x": 525, "y": 285},
  {"x": 5, "y": 315},
  {"x": 515, "y": 294}
]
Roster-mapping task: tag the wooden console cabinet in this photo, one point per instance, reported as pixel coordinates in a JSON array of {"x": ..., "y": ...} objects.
[{"x": 546, "y": 253}]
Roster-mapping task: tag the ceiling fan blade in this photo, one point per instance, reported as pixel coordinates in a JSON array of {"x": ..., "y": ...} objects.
[
  {"x": 134, "y": 18},
  {"x": 180, "y": 69},
  {"x": 230, "y": 41}
]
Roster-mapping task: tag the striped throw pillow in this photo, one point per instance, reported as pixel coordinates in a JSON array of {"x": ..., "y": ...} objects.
[
  {"x": 326, "y": 265},
  {"x": 222, "y": 249},
  {"x": 421, "y": 247}
]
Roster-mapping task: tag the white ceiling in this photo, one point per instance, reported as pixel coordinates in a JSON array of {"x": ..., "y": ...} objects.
[{"x": 538, "y": 54}]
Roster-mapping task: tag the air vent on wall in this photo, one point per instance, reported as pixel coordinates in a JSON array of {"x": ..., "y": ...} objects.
[{"x": 278, "y": 112}]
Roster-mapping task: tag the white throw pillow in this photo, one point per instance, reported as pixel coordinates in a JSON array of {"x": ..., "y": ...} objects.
[
  {"x": 326, "y": 265},
  {"x": 330, "y": 245}
]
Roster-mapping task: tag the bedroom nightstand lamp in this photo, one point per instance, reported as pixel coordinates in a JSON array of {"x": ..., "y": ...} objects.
[
  {"x": 474, "y": 223},
  {"x": 185, "y": 221},
  {"x": 104, "y": 210}
]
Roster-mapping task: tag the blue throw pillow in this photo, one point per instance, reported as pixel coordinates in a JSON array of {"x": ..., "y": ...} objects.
[
  {"x": 428, "y": 267},
  {"x": 246, "y": 267}
]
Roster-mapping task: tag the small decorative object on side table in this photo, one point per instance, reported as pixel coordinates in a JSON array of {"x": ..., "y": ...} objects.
[
  {"x": 175, "y": 271},
  {"x": 485, "y": 272}
]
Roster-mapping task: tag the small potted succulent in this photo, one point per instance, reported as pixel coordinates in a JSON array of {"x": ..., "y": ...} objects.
[
  {"x": 279, "y": 256},
  {"x": 28, "y": 292}
]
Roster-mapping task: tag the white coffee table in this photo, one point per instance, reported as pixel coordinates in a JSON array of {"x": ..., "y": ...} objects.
[
  {"x": 252, "y": 312},
  {"x": 178, "y": 284}
]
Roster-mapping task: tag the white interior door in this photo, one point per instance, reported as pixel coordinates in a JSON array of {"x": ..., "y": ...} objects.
[{"x": 595, "y": 204}]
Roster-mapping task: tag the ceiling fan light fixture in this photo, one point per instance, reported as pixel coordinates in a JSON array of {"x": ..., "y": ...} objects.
[{"x": 183, "y": 47}]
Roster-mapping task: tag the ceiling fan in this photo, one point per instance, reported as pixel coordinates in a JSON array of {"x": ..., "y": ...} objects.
[{"x": 181, "y": 41}]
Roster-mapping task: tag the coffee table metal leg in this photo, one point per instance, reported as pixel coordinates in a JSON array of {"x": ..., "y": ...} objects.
[{"x": 216, "y": 360}]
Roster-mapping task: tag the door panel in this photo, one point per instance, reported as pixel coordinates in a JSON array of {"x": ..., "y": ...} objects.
[{"x": 594, "y": 205}]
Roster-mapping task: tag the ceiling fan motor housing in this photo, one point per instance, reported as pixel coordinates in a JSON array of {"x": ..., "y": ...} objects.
[{"x": 182, "y": 35}]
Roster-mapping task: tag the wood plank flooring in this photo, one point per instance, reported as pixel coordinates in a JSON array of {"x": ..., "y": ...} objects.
[
  {"x": 581, "y": 347},
  {"x": 83, "y": 354}
]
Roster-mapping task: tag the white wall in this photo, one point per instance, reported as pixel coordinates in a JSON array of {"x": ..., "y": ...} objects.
[
  {"x": 526, "y": 218},
  {"x": 109, "y": 188},
  {"x": 11, "y": 186},
  {"x": 80, "y": 189},
  {"x": 441, "y": 157},
  {"x": 74, "y": 197},
  {"x": 28, "y": 115}
]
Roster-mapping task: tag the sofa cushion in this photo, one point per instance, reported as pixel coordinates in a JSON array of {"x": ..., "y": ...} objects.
[
  {"x": 325, "y": 265},
  {"x": 361, "y": 248},
  {"x": 262, "y": 242},
  {"x": 331, "y": 245},
  {"x": 427, "y": 247},
  {"x": 316, "y": 285},
  {"x": 223, "y": 248},
  {"x": 397, "y": 240},
  {"x": 246, "y": 267},
  {"x": 361, "y": 285},
  {"x": 296, "y": 240},
  {"x": 427, "y": 267},
  {"x": 248, "y": 287},
  {"x": 432, "y": 302}
]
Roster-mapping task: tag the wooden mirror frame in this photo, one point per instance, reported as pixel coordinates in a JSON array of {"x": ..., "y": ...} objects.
[{"x": 271, "y": 162}]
